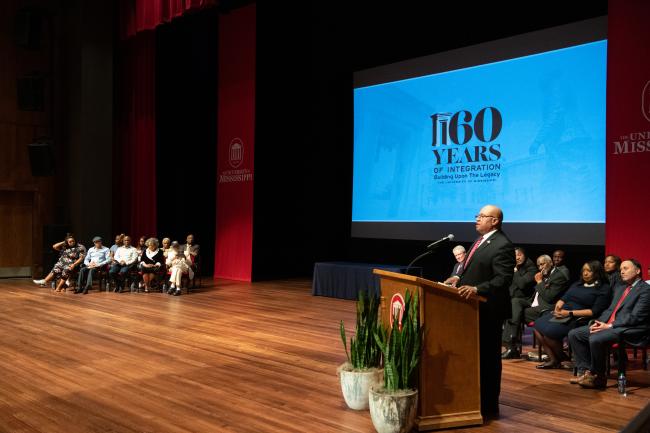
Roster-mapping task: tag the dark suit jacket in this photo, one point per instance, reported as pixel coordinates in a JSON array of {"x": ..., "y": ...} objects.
[
  {"x": 634, "y": 312},
  {"x": 565, "y": 271},
  {"x": 457, "y": 268},
  {"x": 523, "y": 280},
  {"x": 490, "y": 270},
  {"x": 552, "y": 288}
]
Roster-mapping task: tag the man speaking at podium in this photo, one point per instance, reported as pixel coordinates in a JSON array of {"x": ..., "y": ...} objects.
[{"x": 487, "y": 272}]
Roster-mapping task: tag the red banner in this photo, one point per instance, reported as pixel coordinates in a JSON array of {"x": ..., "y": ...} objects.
[
  {"x": 628, "y": 129},
  {"x": 235, "y": 142}
]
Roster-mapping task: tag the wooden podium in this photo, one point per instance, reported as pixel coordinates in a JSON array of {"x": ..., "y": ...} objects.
[{"x": 449, "y": 375}]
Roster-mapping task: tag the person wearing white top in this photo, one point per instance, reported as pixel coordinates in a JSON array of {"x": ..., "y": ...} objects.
[
  {"x": 151, "y": 262},
  {"x": 125, "y": 258},
  {"x": 179, "y": 263}
]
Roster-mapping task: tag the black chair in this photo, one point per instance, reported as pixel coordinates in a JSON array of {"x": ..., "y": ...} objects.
[
  {"x": 100, "y": 276},
  {"x": 636, "y": 338}
]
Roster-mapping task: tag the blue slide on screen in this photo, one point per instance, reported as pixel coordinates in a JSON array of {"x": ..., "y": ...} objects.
[{"x": 526, "y": 133}]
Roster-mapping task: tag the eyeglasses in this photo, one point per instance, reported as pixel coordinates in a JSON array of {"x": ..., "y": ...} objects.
[{"x": 481, "y": 216}]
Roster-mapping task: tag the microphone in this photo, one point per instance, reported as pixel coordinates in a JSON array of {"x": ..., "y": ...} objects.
[
  {"x": 449, "y": 237},
  {"x": 429, "y": 250}
]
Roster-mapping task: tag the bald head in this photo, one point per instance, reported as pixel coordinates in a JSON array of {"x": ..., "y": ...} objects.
[{"x": 489, "y": 218}]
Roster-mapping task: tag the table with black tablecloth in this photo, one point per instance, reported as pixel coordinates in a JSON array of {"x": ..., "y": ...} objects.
[{"x": 345, "y": 279}]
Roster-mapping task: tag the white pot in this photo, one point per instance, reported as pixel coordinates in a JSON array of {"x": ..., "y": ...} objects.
[
  {"x": 393, "y": 412},
  {"x": 356, "y": 383}
]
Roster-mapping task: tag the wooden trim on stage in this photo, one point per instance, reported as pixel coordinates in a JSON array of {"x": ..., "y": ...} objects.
[
  {"x": 422, "y": 282},
  {"x": 449, "y": 420}
]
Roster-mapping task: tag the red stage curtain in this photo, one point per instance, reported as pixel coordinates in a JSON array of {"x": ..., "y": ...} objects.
[
  {"x": 140, "y": 15},
  {"x": 134, "y": 164},
  {"x": 235, "y": 142},
  {"x": 628, "y": 129}
]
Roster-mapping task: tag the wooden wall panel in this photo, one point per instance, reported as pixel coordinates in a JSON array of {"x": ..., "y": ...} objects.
[
  {"x": 16, "y": 216},
  {"x": 26, "y": 202}
]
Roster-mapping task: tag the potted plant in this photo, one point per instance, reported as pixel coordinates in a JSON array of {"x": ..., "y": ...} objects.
[
  {"x": 362, "y": 369},
  {"x": 393, "y": 405}
]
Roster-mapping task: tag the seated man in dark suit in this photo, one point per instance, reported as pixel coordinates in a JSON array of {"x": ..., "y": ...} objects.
[
  {"x": 551, "y": 285},
  {"x": 558, "y": 262},
  {"x": 523, "y": 284},
  {"x": 523, "y": 280},
  {"x": 459, "y": 255},
  {"x": 628, "y": 313}
]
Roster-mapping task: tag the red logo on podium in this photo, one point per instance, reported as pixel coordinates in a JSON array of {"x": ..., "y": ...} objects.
[{"x": 396, "y": 309}]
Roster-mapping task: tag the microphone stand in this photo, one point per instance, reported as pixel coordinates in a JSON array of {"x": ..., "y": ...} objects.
[{"x": 424, "y": 254}]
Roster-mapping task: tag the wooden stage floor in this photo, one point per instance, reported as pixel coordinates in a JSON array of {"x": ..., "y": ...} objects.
[{"x": 231, "y": 357}]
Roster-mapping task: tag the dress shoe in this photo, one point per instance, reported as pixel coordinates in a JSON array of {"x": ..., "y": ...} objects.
[
  {"x": 511, "y": 354},
  {"x": 548, "y": 365},
  {"x": 593, "y": 381},
  {"x": 534, "y": 356},
  {"x": 177, "y": 292},
  {"x": 567, "y": 365},
  {"x": 85, "y": 292},
  {"x": 576, "y": 379}
]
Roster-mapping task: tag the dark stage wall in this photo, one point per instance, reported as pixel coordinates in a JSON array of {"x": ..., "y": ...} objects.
[
  {"x": 304, "y": 119},
  {"x": 186, "y": 129}
]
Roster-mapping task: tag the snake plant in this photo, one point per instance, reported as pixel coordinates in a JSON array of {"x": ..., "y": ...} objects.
[
  {"x": 364, "y": 352},
  {"x": 401, "y": 347}
]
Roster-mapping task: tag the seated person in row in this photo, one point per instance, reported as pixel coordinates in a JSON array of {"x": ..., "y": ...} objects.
[
  {"x": 522, "y": 287},
  {"x": 142, "y": 246},
  {"x": 523, "y": 280},
  {"x": 629, "y": 313},
  {"x": 97, "y": 257},
  {"x": 552, "y": 282},
  {"x": 71, "y": 256},
  {"x": 191, "y": 248},
  {"x": 166, "y": 244},
  {"x": 119, "y": 241},
  {"x": 125, "y": 258},
  {"x": 612, "y": 265},
  {"x": 587, "y": 297},
  {"x": 558, "y": 262},
  {"x": 151, "y": 262},
  {"x": 178, "y": 263},
  {"x": 459, "y": 254}
]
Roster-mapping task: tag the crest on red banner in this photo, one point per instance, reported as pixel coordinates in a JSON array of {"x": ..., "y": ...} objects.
[
  {"x": 236, "y": 153},
  {"x": 645, "y": 101}
]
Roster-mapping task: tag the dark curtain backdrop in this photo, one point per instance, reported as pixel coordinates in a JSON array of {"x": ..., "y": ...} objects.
[
  {"x": 134, "y": 189},
  {"x": 186, "y": 130},
  {"x": 304, "y": 128},
  {"x": 148, "y": 201}
]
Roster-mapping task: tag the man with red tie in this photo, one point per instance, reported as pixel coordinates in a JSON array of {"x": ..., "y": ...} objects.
[
  {"x": 487, "y": 271},
  {"x": 628, "y": 313}
]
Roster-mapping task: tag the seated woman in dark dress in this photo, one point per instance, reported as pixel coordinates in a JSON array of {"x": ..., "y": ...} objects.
[
  {"x": 587, "y": 297},
  {"x": 151, "y": 262}
]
